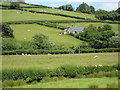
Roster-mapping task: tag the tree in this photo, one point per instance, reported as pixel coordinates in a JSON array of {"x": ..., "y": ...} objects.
[
  {"x": 114, "y": 42},
  {"x": 107, "y": 27},
  {"x": 6, "y": 30},
  {"x": 84, "y": 8},
  {"x": 10, "y": 44},
  {"x": 14, "y": 5},
  {"x": 118, "y": 10},
  {"x": 92, "y": 9},
  {"x": 40, "y": 41},
  {"x": 67, "y": 7}
]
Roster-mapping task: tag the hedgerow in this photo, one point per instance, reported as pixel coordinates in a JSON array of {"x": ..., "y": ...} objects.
[{"x": 66, "y": 71}]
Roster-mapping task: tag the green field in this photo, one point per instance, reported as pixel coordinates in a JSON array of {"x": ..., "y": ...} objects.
[
  {"x": 76, "y": 83},
  {"x": 21, "y": 4},
  {"x": 83, "y": 15},
  {"x": 25, "y": 32},
  {"x": 12, "y": 15},
  {"x": 54, "y": 61},
  {"x": 85, "y": 24}
]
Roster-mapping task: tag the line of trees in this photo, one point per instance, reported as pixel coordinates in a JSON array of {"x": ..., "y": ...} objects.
[
  {"x": 107, "y": 15},
  {"x": 84, "y": 8}
]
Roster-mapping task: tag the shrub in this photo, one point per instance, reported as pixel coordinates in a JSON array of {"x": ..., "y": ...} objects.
[
  {"x": 14, "y": 5},
  {"x": 10, "y": 44},
  {"x": 113, "y": 85},
  {"x": 6, "y": 30},
  {"x": 40, "y": 41},
  {"x": 12, "y": 83},
  {"x": 93, "y": 86}
]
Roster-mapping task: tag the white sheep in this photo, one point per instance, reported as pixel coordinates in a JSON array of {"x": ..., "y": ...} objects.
[
  {"x": 95, "y": 56},
  {"x": 49, "y": 54},
  {"x": 22, "y": 53}
]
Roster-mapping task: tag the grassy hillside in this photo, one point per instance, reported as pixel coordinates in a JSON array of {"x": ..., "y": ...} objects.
[
  {"x": 54, "y": 61},
  {"x": 17, "y": 15},
  {"x": 21, "y": 4},
  {"x": 50, "y": 10},
  {"x": 85, "y": 24},
  {"x": 25, "y": 32},
  {"x": 77, "y": 83}
]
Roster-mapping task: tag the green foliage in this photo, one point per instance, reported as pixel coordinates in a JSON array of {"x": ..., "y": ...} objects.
[
  {"x": 112, "y": 85},
  {"x": 40, "y": 41},
  {"x": 93, "y": 86},
  {"x": 67, "y": 7},
  {"x": 114, "y": 42},
  {"x": 10, "y": 44},
  {"x": 84, "y": 8},
  {"x": 12, "y": 83},
  {"x": 14, "y": 5},
  {"x": 6, "y": 30},
  {"x": 105, "y": 15},
  {"x": 97, "y": 37},
  {"x": 67, "y": 71}
]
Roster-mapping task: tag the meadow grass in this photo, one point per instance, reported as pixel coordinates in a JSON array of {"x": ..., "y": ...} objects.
[
  {"x": 54, "y": 61},
  {"x": 20, "y": 4},
  {"x": 57, "y": 11},
  {"x": 86, "y": 24},
  {"x": 25, "y": 32},
  {"x": 76, "y": 83},
  {"x": 12, "y": 15}
]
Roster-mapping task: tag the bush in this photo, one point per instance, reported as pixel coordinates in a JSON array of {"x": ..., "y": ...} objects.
[
  {"x": 66, "y": 71},
  {"x": 10, "y": 44},
  {"x": 14, "y": 5},
  {"x": 12, "y": 83},
  {"x": 40, "y": 41},
  {"x": 93, "y": 86},
  {"x": 113, "y": 85},
  {"x": 6, "y": 30}
]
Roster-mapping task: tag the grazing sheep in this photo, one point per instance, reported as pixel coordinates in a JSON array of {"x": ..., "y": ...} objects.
[
  {"x": 49, "y": 54},
  {"x": 29, "y": 55},
  {"x": 95, "y": 56},
  {"x": 100, "y": 65},
  {"x": 22, "y": 53}
]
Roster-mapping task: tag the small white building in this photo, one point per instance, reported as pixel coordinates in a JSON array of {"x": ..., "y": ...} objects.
[{"x": 72, "y": 29}]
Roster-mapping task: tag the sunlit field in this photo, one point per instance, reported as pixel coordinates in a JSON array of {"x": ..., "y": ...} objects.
[
  {"x": 54, "y": 61},
  {"x": 17, "y": 15},
  {"x": 25, "y": 32}
]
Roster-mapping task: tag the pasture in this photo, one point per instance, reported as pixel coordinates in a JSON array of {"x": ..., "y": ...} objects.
[
  {"x": 57, "y": 11},
  {"x": 85, "y": 24},
  {"x": 54, "y": 61},
  {"x": 76, "y": 83},
  {"x": 25, "y": 32},
  {"x": 17, "y": 15}
]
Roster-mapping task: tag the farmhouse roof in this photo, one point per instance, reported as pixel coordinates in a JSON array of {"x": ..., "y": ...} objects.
[{"x": 77, "y": 29}]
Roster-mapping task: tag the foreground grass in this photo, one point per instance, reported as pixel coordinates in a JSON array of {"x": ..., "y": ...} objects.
[
  {"x": 25, "y": 32},
  {"x": 54, "y": 61},
  {"x": 85, "y": 24},
  {"x": 12, "y": 15},
  {"x": 76, "y": 83}
]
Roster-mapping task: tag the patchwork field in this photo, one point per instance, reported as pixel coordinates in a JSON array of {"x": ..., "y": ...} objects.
[
  {"x": 17, "y": 15},
  {"x": 62, "y": 12},
  {"x": 77, "y": 83},
  {"x": 25, "y": 32},
  {"x": 54, "y": 61},
  {"x": 85, "y": 24}
]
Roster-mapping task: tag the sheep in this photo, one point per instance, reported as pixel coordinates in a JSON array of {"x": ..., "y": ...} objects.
[
  {"x": 22, "y": 53},
  {"x": 95, "y": 56},
  {"x": 49, "y": 54}
]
